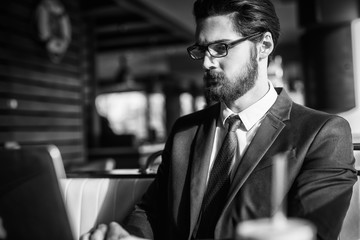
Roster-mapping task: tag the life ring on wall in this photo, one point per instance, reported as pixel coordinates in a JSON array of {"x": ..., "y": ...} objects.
[{"x": 54, "y": 28}]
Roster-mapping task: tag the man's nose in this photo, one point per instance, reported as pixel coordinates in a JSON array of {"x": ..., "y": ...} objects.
[{"x": 209, "y": 61}]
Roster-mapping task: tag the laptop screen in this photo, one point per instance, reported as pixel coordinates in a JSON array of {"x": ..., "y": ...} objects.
[{"x": 31, "y": 202}]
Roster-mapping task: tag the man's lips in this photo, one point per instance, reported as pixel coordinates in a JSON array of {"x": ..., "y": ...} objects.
[
  {"x": 213, "y": 78},
  {"x": 210, "y": 80}
]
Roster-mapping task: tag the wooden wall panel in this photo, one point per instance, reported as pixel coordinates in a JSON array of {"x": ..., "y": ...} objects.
[
  {"x": 45, "y": 75},
  {"x": 42, "y": 102},
  {"x": 13, "y": 121},
  {"x": 38, "y": 106},
  {"x": 37, "y": 136},
  {"x": 29, "y": 90}
]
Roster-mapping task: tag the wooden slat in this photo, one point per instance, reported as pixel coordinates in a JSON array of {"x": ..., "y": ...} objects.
[
  {"x": 40, "y": 128},
  {"x": 39, "y": 106},
  {"x": 41, "y": 99},
  {"x": 48, "y": 84},
  {"x": 28, "y": 121},
  {"x": 34, "y": 137},
  {"x": 6, "y": 87},
  {"x": 30, "y": 113},
  {"x": 14, "y": 56},
  {"x": 11, "y": 71},
  {"x": 58, "y": 143}
]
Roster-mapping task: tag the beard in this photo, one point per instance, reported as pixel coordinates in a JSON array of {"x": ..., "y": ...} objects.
[{"x": 219, "y": 88}]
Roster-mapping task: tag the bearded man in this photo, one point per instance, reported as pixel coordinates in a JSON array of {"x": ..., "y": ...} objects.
[{"x": 212, "y": 178}]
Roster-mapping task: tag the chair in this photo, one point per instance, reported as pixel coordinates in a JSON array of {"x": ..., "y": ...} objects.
[
  {"x": 351, "y": 225},
  {"x": 152, "y": 163}
]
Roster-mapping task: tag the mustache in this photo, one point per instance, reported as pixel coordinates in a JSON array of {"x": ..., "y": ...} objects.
[{"x": 213, "y": 76}]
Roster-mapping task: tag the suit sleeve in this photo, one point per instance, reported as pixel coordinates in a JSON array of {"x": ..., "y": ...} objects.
[
  {"x": 323, "y": 189},
  {"x": 146, "y": 219}
]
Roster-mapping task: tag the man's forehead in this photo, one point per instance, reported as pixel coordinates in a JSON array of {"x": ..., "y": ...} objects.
[{"x": 215, "y": 28}]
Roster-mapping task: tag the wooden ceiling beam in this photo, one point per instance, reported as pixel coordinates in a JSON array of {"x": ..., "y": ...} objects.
[
  {"x": 140, "y": 40},
  {"x": 124, "y": 27},
  {"x": 165, "y": 47},
  {"x": 105, "y": 11},
  {"x": 152, "y": 15}
]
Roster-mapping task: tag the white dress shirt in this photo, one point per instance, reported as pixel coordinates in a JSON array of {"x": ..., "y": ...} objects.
[{"x": 251, "y": 119}]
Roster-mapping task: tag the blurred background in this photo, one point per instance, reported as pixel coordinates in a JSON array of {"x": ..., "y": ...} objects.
[{"x": 106, "y": 79}]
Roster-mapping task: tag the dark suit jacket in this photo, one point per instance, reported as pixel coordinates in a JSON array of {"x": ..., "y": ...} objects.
[{"x": 320, "y": 173}]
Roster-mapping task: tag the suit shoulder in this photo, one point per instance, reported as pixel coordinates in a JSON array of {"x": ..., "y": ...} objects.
[
  {"x": 198, "y": 117},
  {"x": 311, "y": 115}
]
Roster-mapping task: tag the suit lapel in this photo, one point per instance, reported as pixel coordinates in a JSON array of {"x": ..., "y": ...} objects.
[
  {"x": 266, "y": 135},
  {"x": 202, "y": 152},
  {"x": 264, "y": 138}
]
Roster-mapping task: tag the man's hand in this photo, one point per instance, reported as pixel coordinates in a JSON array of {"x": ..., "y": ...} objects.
[{"x": 112, "y": 232}]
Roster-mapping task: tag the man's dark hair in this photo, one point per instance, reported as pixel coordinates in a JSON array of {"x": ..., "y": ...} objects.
[{"x": 249, "y": 16}]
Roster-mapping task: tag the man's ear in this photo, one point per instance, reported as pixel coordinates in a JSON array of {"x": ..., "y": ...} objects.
[{"x": 266, "y": 45}]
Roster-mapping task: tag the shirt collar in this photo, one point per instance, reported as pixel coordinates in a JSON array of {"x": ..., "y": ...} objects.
[{"x": 251, "y": 115}]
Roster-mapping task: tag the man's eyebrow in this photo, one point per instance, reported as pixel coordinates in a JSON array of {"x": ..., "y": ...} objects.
[{"x": 208, "y": 43}]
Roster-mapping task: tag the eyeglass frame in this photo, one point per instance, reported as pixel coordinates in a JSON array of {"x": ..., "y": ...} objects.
[{"x": 228, "y": 45}]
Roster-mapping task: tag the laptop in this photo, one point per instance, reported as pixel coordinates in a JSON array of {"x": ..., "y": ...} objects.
[{"x": 31, "y": 201}]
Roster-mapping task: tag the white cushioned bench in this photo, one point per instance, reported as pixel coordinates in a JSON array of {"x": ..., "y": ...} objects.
[{"x": 91, "y": 201}]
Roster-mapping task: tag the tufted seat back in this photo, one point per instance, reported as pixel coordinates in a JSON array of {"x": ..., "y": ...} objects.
[{"x": 91, "y": 201}]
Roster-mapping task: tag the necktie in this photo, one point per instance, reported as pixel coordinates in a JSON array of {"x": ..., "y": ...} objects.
[{"x": 219, "y": 182}]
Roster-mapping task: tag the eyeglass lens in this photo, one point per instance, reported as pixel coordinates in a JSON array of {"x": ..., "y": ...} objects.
[{"x": 215, "y": 50}]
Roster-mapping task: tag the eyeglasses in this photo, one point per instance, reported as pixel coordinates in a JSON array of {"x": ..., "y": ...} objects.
[{"x": 216, "y": 50}]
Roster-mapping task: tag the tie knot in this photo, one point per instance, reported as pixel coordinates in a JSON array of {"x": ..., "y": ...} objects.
[{"x": 234, "y": 122}]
